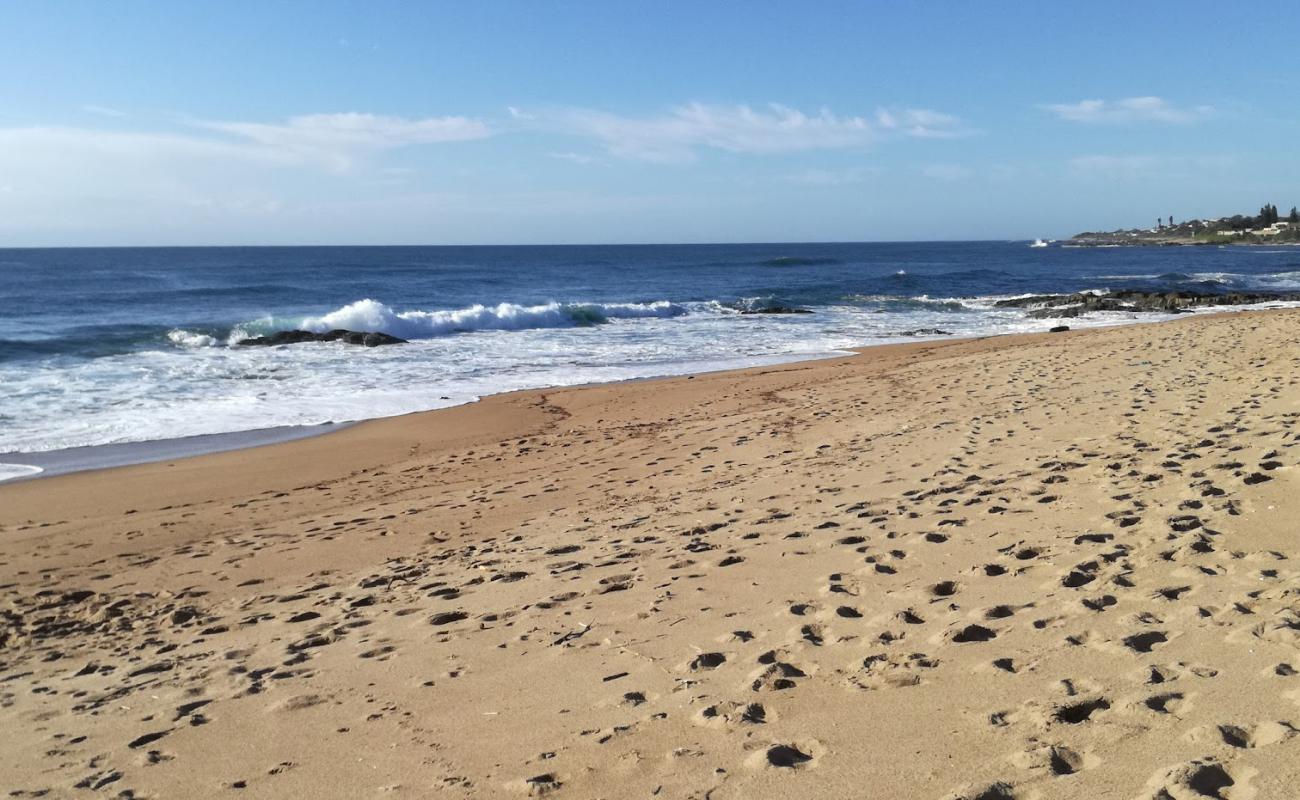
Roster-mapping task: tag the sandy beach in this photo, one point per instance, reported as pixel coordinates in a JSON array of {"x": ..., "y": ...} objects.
[{"x": 1037, "y": 566}]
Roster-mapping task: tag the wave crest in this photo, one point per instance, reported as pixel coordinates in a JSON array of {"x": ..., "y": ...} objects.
[
  {"x": 190, "y": 339},
  {"x": 372, "y": 315}
]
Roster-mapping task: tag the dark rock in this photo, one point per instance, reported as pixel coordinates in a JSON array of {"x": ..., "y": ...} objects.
[
  {"x": 1055, "y": 306},
  {"x": 364, "y": 338},
  {"x": 924, "y": 332},
  {"x": 775, "y": 310},
  {"x": 1059, "y": 329}
]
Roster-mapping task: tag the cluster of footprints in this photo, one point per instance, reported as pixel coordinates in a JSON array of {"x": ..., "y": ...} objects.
[{"x": 1058, "y": 570}]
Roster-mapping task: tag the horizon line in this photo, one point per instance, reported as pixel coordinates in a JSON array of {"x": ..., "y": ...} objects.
[{"x": 534, "y": 244}]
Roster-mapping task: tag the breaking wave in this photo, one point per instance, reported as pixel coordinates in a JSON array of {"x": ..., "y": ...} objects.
[
  {"x": 372, "y": 315},
  {"x": 190, "y": 339}
]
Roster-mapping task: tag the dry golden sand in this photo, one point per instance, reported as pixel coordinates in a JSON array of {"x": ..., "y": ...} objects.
[{"x": 1040, "y": 566}]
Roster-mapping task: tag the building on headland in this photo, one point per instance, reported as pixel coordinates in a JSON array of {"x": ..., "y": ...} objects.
[
  {"x": 1267, "y": 226},
  {"x": 1272, "y": 229}
]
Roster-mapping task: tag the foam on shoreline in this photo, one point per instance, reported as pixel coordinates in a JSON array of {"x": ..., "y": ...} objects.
[
  {"x": 80, "y": 459},
  {"x": 13, "y": 472},
  {"x": 20, "y": 466}
]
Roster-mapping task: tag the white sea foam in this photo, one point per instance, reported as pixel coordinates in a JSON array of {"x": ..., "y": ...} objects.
[
  {"x": 10, "y": 471},
  {"x": 183, "y": 338},
  {"x": 196, "y": 388},
  {"x": 372, "y": 315},
  {"x": 919, "y": 300}
]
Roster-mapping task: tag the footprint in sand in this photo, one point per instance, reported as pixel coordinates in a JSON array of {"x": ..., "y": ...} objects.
[
  {"x": 797, "y": 755},
  {"x": 1201, "y": 778}
]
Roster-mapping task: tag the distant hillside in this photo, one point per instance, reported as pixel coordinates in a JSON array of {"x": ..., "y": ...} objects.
[{"x": 1266, "y": 227}]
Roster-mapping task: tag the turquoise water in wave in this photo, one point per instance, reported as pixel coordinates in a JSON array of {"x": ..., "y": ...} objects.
[{"x": 101, "y": 346}]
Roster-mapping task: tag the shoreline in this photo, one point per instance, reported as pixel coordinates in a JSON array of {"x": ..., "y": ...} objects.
[
  {"x": 1033, "y": 565},
  {"x": 90, "y": 458},
  {"x": 53, "y": 463},
  {"x": 378, "y": 437},
  {"x": 1099, "y": 245}
]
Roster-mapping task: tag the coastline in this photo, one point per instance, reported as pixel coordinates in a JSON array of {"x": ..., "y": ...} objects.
[
  {"x": 52, "y": 463},
  {"x": 1070, "y": 243},
  {"x": 152, "y": 371},
  {"x": 1014, "y": 564},
  {"x": 49, "y": 464},
  {"x": 108, "y": 456}
]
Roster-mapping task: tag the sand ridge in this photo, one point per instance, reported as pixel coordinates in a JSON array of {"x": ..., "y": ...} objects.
[{"x": 1022, "y": 567}]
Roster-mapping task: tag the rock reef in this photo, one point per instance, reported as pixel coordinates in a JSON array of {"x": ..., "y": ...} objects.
[
  {"x": 363, "y": 338},
  {"x": 1053, "y": 306}
]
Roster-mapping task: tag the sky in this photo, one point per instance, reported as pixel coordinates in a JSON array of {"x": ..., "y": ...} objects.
[{"x": 531, "y": 122}]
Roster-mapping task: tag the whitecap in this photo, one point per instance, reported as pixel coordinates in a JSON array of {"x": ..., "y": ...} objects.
[
  {"x": 372, "y": 315},
  {"x": 190, "y": 339}
]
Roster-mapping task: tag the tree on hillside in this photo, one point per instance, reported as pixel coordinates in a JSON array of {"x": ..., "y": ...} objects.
[{"x": 1294, "y": 217}]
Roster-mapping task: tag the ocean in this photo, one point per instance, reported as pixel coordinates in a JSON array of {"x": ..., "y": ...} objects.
[{"x": 104, "y": 347}]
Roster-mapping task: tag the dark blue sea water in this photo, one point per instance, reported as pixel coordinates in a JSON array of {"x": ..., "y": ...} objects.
[{"x": 119, "y": 345}]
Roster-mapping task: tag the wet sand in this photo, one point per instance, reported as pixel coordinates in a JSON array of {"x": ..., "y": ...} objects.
[
  {"x": 81, "y": 459},
  {"x": 1032, "y": 566}
]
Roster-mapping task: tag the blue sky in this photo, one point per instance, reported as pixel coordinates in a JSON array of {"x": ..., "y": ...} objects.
[{"x": 533, "y": 122}]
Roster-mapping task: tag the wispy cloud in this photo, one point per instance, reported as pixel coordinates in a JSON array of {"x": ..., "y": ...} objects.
[
  {"x": 26, "y": 148},
  {"x": 64, "y": 177},
  {"x": 332, "y": 141},
  {"x": 685, "y": 130},
  {"x": 921, "y": 123},
  {"x": 103, "y": 111},
  {"x": 582, "y": 159},
  {"x": 1128, "y": 110},
  {"x": 335, "y": 138}
]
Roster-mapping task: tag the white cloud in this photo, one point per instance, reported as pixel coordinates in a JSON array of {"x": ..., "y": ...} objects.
[
  {"x": 101, "y": 172},
  {"x": 1129, "y": 109},
  {"x": 332, "y": 141},
  {"x": 921, "y": 123},
  {"x": 103, "y": 111},
  {"x": 333, "y": 138},
  {"x": 66, "y": 178},
  {"x": 576, "y": 158},
  {"x": 683, "y": 131},
  {"x": 24, "y": 149}
]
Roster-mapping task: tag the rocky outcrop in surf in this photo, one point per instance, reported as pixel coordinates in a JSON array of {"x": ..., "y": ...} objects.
[
  {"x": 1053, "y": 306},
  {"x": 923, "y": 332},
  {"x": 775, "y": 310},
  {"x": 363, "y": 338}
]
